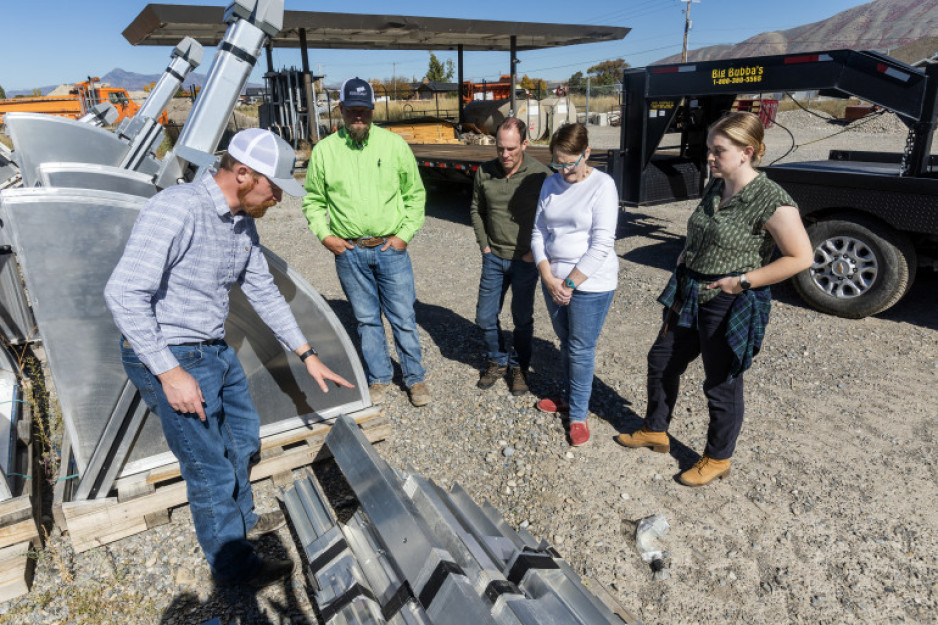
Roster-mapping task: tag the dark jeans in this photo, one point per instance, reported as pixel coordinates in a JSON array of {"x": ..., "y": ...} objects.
[
  {"x": 668, "y": 358},
  {"x": 213, "y": 456},
  {"x": 498, "y": 275}
]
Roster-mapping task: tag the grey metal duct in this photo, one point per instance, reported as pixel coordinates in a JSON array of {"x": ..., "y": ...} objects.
[
  {"x": 250, "y": 24},
  {"x": 415, "y": 551}
]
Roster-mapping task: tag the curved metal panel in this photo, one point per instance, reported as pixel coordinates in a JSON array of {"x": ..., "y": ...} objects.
[
  {"x": 101, "y": 177},
  {"x": 69, "y": 240},
  {"x": 39, "y": 139}
]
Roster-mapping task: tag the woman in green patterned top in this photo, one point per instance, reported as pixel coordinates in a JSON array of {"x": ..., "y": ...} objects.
[{"x": 717, "y": 301}]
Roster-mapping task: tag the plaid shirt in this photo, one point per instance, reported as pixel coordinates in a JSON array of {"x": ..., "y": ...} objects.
[
  {"x": 745, "y": 327},
  {"x": 172, "y": 283}
]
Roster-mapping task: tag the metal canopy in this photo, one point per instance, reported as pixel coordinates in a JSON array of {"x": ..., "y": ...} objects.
[{"x": 166, "y": 24}]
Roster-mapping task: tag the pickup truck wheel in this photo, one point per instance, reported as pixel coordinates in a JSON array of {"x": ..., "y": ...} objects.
[{"x": 860, "y": 267}]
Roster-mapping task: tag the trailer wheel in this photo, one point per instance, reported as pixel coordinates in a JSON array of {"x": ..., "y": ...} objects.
[{"x": 860, "y": 267}]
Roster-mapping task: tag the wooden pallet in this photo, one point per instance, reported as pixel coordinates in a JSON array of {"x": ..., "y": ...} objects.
[
  {"x": 144, "y": 501},
  {"x": 19, "y": 531}
]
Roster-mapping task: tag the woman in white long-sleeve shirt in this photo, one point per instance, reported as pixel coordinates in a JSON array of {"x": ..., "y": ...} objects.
[{"x": 572, "y": 241}]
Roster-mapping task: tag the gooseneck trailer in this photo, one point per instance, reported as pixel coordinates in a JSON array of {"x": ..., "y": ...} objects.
[{"x": 872, "y": 217}]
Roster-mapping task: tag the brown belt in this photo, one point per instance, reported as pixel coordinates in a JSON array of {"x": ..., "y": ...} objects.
[{"x": 370, "y": 241}]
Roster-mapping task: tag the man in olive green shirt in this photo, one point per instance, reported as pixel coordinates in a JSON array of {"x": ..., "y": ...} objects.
[
  {"x": 365, "y": 202},
  {"x": 504, "y": 201}
]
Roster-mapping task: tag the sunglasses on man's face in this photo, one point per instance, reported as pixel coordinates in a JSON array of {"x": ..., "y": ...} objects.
[{"x": 565, "y": 166}]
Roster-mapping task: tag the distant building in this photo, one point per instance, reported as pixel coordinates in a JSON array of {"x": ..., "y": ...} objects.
[
  {"x": 427, "y": 90},
  {"x": 253, "y": 95}
]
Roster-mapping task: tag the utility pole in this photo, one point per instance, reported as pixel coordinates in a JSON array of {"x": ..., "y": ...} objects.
[
  {"x": 394, "y": 78},
  {"x": 687, "y": 26}
]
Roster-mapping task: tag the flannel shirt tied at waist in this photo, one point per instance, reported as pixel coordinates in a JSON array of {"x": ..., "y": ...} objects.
[{"x": 748, "y": 316}]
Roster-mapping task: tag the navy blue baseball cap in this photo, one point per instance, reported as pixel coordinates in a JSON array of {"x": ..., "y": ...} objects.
[{"x": 357, "y": 92}]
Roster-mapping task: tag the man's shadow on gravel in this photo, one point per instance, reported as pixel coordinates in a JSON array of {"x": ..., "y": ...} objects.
[{"x": 239, "y": 604}]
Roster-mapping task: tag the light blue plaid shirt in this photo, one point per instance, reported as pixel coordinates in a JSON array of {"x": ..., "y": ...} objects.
[{"x": 171, "y": 284}]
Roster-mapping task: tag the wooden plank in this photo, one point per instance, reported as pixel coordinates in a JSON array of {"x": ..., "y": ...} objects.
[
  {"x": 364, "y": 418},
  {"x": 98, "y": 522},
  {"x": 62, "y": 491},
  {"x": 16, "y": 570}
]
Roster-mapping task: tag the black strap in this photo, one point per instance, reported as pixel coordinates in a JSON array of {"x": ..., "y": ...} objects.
[
  {"x": 500, "y": 587},
  {"x": 241, "y": 53},
  {"x": 175, "y": 74},
  {"x": 444, "y": 569},
  {"x": 328, "y": 555},
  {"x": 350, "y": 595},
  {"x": 528, "y": 561}
]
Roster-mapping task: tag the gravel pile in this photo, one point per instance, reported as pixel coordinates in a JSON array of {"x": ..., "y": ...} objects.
[
  {"x": 876, "y": 123},
  {"x": 830, "y": 515}
]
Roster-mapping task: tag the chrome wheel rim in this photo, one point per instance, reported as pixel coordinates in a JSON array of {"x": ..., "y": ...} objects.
[{"x": 844, "y": 267}]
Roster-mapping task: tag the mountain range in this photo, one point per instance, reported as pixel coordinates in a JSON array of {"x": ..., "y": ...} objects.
[
  {"x": 890, "y": 26},
  {"x": 131, "y": 81}
]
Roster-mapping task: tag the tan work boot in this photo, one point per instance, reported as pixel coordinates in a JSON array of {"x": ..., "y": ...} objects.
[
  {"x": 705, "y": 471},
  {"x": 419, "y": 394},
  {"x": 657, "y": 441},
  {"x": 378, "y": 392}
]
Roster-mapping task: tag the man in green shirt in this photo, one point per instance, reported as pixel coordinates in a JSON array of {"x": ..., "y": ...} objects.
[
  {"x": 504, "y": 201},
  {"x": 365, "y": 202}
]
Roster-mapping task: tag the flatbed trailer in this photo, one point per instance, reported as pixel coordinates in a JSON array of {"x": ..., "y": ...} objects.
[
  {"x": 872, "y": 217},
  {"x": 458, "y": 163}
]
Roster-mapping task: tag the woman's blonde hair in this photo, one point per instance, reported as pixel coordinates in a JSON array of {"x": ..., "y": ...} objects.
[{"x": 745, "y": 130}]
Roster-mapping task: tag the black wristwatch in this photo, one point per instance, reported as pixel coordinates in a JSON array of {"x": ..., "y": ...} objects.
[
  {"x": 744, "y": 282},
  {"x": 309, "y": 352}
]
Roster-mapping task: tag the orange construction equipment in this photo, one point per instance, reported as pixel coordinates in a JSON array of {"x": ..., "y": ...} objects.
[
  {"x": 77, "y": 103},
  {"x": 500, "y": 90}
]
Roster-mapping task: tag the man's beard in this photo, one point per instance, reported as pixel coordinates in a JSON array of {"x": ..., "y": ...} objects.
[
  {"x": 255, "y": 211},
  {"x": 358, "y": 133}
]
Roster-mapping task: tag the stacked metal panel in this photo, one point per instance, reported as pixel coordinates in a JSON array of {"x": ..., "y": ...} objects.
[
  {"x": 67, "y": 222},
  {"x": 438, "y": 554}
]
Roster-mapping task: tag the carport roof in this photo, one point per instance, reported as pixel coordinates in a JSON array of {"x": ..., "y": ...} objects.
[{"x": 166, "y": 24}]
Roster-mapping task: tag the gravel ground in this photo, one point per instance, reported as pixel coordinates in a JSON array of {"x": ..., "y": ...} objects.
[{"x": 830, "y": 515}]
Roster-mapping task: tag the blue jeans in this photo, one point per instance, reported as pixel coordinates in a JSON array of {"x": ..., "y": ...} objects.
[
  {"x": 377, "y": 282},
  {"x": 498, "y": 274},
  {"x": 213, "y": 456},
  {"x": 578, "y": 326}
]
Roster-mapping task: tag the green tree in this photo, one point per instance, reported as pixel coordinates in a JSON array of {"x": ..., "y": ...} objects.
[
  {"x": 576, "y": 80},
  {"x": 607, "y": 72},
  {"x": 3, "y": 94},
  {"x": 438, "y": 71}
]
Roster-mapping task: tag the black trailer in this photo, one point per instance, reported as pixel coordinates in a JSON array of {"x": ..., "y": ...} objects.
[{"x": 872, "y": 217}]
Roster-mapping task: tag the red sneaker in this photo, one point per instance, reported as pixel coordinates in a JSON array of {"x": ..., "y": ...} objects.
[
  {"x": 579, "y": 433},
  {"x": 552, "y": 405}
]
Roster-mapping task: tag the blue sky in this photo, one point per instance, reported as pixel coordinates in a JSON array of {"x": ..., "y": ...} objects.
[{"x": 49, "y": 42}]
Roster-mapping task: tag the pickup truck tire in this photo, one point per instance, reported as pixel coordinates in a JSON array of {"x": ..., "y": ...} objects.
[{"x": 860, "y": 268}]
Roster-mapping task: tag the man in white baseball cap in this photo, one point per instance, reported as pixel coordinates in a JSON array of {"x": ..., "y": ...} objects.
[
  {"x": 169, "y": 298},
  {"x": 268, "y": 155}
]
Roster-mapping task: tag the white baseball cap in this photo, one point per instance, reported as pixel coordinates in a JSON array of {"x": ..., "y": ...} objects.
[{"x": 269, "y": 155}]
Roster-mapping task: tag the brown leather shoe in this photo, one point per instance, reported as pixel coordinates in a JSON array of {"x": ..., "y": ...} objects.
[
  {"x": 657, "y": 441},
  {"x": 705, "y": 471},
  {"x": 419, "y": 394},
  {"x": 517, "y": 381},
  {"x": 492, "y": 374}
]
